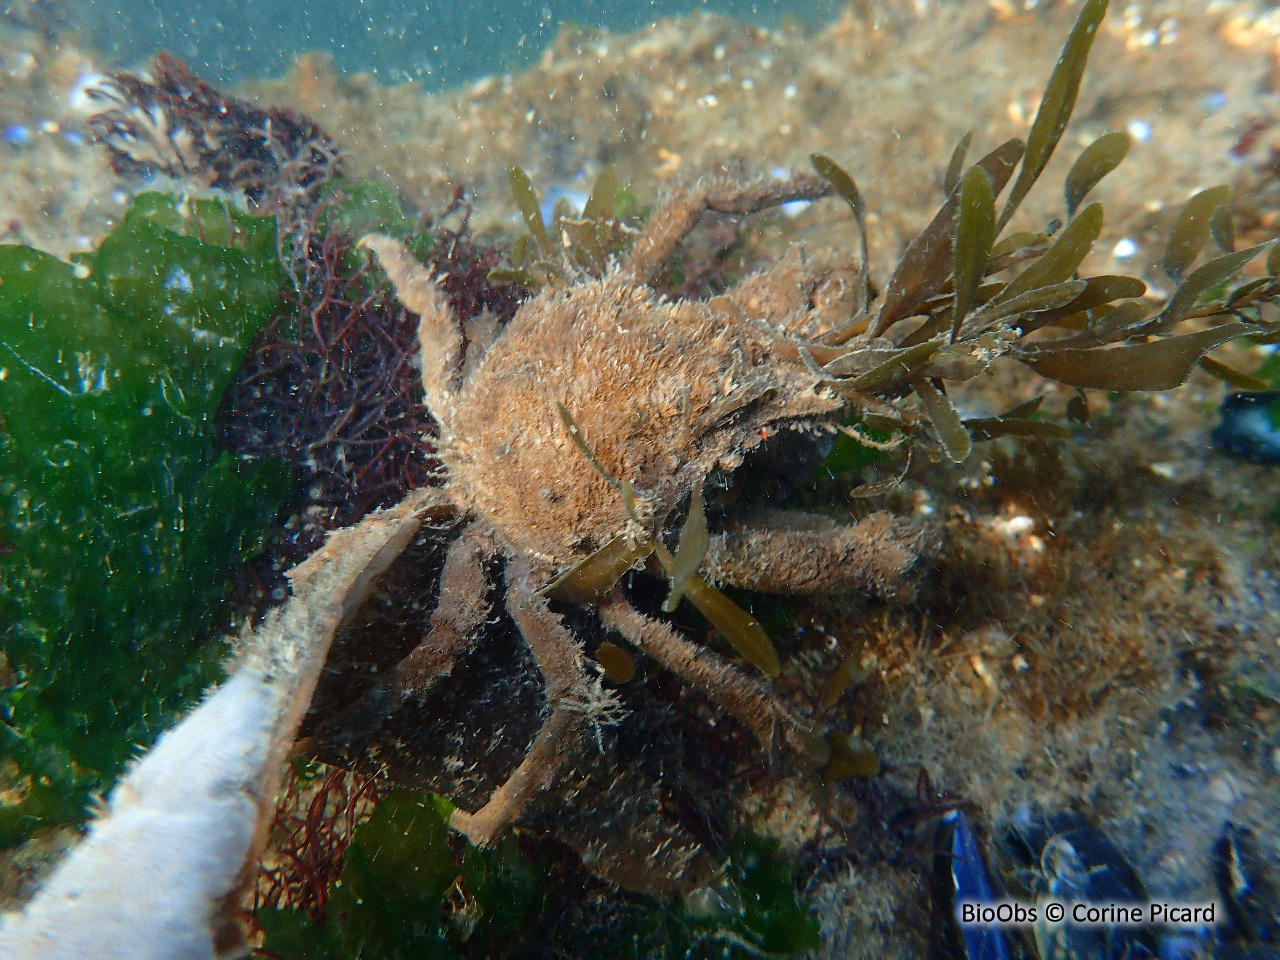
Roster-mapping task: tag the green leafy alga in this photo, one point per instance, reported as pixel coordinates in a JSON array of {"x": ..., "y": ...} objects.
[
  {"x": 397, "y": 873},
  {"x": 120, "y": 521},
  {"x": 407, "y": 892}
]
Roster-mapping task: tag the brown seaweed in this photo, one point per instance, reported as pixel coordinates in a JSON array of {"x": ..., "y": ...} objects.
[{"x": 952, "y": 277}]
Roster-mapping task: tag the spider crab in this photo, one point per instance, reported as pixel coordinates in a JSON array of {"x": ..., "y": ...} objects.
[{"x": 575, "y": 439}]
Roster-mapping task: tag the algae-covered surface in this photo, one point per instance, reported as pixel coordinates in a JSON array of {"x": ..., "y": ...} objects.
[
  {"x": 1097, "y": 630},
  {"x": 114, "y": 492}
]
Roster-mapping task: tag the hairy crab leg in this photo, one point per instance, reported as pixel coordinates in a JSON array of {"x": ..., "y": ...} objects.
[
  {"x": 438, "y": 330},
  {"x": 761, "y": 712},
  {"x": 570, "y": 695},
  {"x": 775, "y": 551},
  {"x": 462, "y": 608},
  {"x": 672, "y": 221}
]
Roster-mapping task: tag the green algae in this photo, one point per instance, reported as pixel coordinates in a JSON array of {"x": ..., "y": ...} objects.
[
  {"x": 120, "y": 520},
  {"x": 771, "y": 919},
  {"x": 409, "y": 889},
  {"x": 848, "y": 454},
  {"x": 358, "y": 207},
  {"x": 1269, "y": 372}
]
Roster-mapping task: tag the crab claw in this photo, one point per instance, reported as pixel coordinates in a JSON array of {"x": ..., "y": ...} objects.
[
  {"x": 439, "y": 334},
  {"x": 161, "y": 873}
]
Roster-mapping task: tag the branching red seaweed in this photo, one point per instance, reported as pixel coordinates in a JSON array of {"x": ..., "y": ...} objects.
[
  {"x": 176, "y": 124},
  {"x": 332, "y": 386},
  {"x": 313, "y": 826}
]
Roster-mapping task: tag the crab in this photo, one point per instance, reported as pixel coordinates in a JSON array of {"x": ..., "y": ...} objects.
[{"x": 577, "y": 440}]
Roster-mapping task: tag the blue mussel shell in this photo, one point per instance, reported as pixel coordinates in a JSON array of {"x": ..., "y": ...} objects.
[{"x": 1250, "y": 426}]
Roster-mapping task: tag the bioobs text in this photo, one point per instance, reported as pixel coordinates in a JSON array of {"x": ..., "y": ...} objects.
[{"x": 1087, "y": 914}]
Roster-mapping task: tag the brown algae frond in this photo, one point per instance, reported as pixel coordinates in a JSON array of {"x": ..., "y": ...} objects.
[{"x": 948, "y": 310}]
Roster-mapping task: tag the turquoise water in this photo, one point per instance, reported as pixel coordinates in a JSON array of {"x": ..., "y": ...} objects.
[{"x": 438, "y": 44}]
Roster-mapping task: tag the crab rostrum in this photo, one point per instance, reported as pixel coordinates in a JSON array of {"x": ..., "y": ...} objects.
[{"x": 576, "y": 445}]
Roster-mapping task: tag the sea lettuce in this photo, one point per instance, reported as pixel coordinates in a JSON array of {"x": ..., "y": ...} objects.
[
  {"x": 120, "y": 519},
  {"x": 410, "y": 890},
  {"x": 397, "y": 874}
]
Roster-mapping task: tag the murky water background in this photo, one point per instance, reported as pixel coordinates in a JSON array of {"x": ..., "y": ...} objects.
[{"x": 436, "y": 43}]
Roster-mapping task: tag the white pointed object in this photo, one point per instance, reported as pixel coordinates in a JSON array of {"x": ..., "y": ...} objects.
[{"x": 161, "y": 872}]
